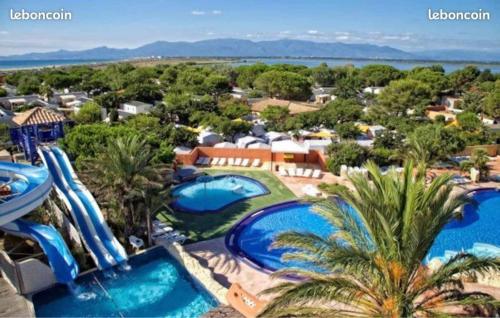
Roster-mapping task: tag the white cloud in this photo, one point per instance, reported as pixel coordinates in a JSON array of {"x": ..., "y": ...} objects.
[
  {"x": 197, "y": 12},
  {"x": 216, "y": 12},
  {"x": 342, "y": 38},
  {"x": 210, "y": 33},
  {"x": 313, "y": 32},
  {"x": 3, "y": 32}
]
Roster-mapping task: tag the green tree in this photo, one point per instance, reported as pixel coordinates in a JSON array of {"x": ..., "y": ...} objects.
[
  {"x": 347, "y": 130},
  {"x": 469, "y": 121},
  {"x": 109, "y": 100},
  {"x": 216, "y": 85},
  {"x": 479, "y": 160},
  {"x": 461, "y": 80},
  {"x": 323, "y": 75},
  {"x": 379, "y": 74},
  {"x": 346, "y": 153},
  {"x": 247, "y": 74},
  {"x": 275, "y": 117},
  {"x": 89, "y": 113},
  {"x": 402, "y": 95},
  {"x": 429, "y": 143},
  {"x": 284, "y": 84},
  {"x": 492, "y": 102},
  {"x": 437, "y": 81},
  {"x": 340, "y": 111},
  {"x": 234, "y": 109},
  {"x": 3, "y": 92},
  {"x": 373, "y": 265},
  {"x": 119, "y": 174},
  {"x": 28, "y": 85}
]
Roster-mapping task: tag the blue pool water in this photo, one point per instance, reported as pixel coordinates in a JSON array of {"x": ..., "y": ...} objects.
[
  {"x": 157, "y": 286},
  {"x": 211, "y": 194},
  {"x": 253, "y": 236},
  {"x": 479, "y": 225}
]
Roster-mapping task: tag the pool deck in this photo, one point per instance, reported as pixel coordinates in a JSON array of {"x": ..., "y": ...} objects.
[
  {"x": 11, "y": 303},
  {"x": 226, "y": 269}
]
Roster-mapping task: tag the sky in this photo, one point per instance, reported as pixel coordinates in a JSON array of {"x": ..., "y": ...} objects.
[{"x": 127, "y": 24}]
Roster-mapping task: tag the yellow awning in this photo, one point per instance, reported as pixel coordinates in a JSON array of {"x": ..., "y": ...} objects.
[
  {"x": 322, "y": 134},
  {"x": 288, "y": 156},
  {"x": 237, "y": 120},
  {"x": 195, "y": 130},
  {"x": 363, "y": 128}
]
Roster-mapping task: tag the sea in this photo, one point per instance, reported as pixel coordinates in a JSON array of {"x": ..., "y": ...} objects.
[{"x": 310, "y": 62}]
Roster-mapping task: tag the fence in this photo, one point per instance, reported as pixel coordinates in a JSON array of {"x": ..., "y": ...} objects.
[
  {"x": 492, "y": 150},
  {"x": 265, "y": 155}
]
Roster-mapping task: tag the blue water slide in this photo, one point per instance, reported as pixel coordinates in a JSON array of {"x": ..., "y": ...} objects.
[
  {"x": 30, "y": 187},
  {"x": 98, "y": 238},
  {"x": 78, "y": 212},
  {"x": 61, "y": 261},
  {"x": 103, "y": 231}
]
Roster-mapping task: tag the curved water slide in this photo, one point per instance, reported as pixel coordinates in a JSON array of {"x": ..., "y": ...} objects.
[
  {"x": 61, "y": 261},
  {"x": 30, "y": 186},
  {"x": 97, "y": 237}
]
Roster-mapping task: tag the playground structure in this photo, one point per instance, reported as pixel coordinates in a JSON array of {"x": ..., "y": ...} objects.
[{"x": 23, "y": 188}]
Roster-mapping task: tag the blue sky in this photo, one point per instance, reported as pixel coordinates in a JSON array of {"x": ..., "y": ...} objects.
[{"x": 125, "y": 23}]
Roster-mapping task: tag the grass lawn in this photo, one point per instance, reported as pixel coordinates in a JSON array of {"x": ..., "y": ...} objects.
[{"x": 211, "y": 225}]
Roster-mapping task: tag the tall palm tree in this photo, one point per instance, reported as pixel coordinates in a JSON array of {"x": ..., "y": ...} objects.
[
  {"x": 373, "y": 265},
  {"x": 121, "y": 174}
]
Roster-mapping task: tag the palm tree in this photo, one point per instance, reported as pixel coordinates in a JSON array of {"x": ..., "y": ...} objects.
[
  {"x": 122, "y": 174},
  {"x": 479, "y": 160},
  {"x": 372, "y": 266}
]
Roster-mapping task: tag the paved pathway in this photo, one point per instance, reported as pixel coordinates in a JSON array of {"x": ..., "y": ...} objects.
[{"x": 12, "y": 304}]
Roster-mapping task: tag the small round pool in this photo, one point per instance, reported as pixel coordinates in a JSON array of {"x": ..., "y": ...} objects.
[
  {"x": 252, "y": 237},
  {"x": 214, "y": 193}
]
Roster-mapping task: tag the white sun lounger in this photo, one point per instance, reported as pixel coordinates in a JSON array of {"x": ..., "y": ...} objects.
[
  {"x": 237, "y": 162},
  {"x": 316, "y": 174},
  {"x": 214, "y": 161},
  {"x": 307, "y": 173},
  {"x": 291, "y": 172},
  {"x": 256, "y": 163},
  {"x": 282, "y": 172},
  {"x": 300, "y": 172},
  {"x": 311, "y": 190},
  {"x": 245, "y": 162},
  {"x": 230, "y": 161},
  {"x": 164, "y": 235},
  {"x": 222, "y": 162}
]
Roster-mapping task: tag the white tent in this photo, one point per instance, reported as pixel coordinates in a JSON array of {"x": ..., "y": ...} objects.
[
  {"x": 258, "y": 130},
  {"x": 248, "y": 140},
  {"x": 276, "y": 136},
  {"x": 227, "y": 145},
  {"x": 208, "y": 138},
  {"x": 259, "y": 145},
  {"x": 289, "y": 146}
]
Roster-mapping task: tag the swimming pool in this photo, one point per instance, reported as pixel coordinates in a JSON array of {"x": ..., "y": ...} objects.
[
  {"x": 157, "y": 286},
  {"x": 214, "y": 193},
  {"x": 252, "y": 237}
]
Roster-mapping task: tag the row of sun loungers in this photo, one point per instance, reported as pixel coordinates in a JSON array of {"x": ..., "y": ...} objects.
[
  {"x": 237, "y": 162},
  {"x": 300, "y": 172},
  {"x": 162, "y": 233}
]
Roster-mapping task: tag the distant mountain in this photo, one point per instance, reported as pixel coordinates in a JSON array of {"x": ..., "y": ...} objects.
[{"x": 246, "y": 48}]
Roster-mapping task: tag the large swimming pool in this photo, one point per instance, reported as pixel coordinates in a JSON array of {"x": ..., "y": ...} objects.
[
  {"x": 157, "y": 286},
  {"x": 252, "y": 237},
  {"x": 214, "y": 193}
]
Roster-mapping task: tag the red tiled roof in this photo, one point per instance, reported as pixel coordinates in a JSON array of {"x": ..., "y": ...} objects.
[{"x": 36, "y": 116}]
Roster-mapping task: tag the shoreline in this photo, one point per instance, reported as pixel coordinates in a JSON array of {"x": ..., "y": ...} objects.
[
  {"x": 136, "y": 62},
  {"x": 222, "y": 60}
]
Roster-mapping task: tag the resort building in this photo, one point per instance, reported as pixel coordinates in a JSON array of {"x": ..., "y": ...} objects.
[
  {"x": 133, "y": 108},
  {"x": 15, "y": 102},
  {"x": 373, "y": 90}
]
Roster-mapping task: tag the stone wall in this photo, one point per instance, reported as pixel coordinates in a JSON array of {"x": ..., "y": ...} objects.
[{"x": 201, "y": 274}]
